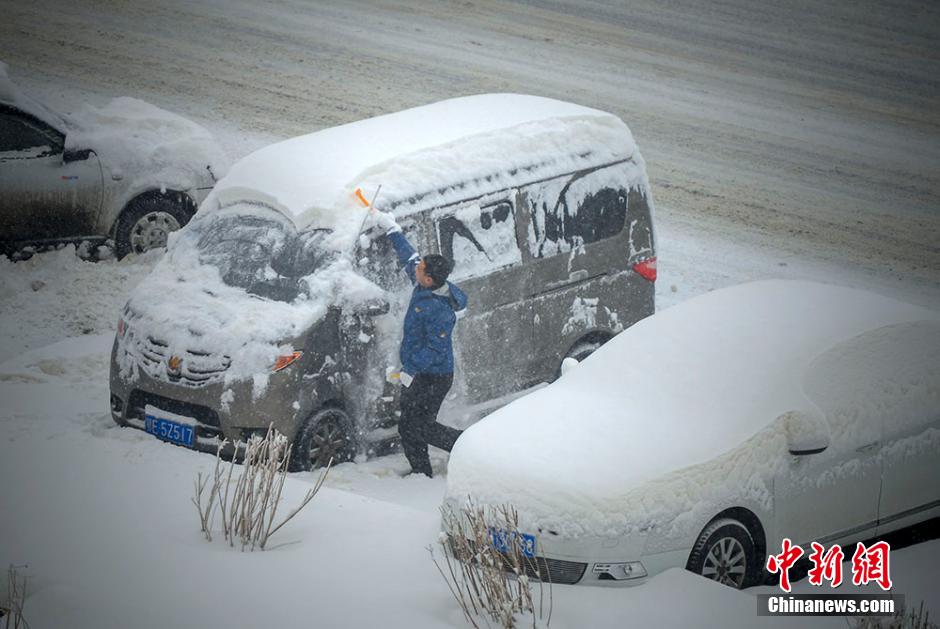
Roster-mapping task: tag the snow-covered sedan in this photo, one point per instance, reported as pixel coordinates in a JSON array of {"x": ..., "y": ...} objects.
[
  {"x": 128, "y": 172},
  {"x": 706, "y": 434}
]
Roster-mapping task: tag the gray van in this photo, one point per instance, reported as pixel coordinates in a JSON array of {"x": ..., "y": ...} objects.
[{"x": 272, "y": 306}]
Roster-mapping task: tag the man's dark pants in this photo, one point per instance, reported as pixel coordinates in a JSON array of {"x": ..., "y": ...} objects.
[{"x": 418, "y": 425}]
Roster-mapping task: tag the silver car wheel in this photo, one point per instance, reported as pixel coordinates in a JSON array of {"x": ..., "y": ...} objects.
[
  {"x": 151, "y": 230},
  {"x": 726, "y": 562}
]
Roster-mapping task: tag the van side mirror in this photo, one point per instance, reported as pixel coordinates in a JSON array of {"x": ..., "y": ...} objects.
[{"x": 807, "y": 432}]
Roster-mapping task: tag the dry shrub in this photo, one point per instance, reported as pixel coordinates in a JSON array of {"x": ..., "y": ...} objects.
[
  {"x": 492, "y": 585},
  {"x": 901, "y": 619},
  {"x": 248, "y": 503},
  {"x": 12, "y": 610}
]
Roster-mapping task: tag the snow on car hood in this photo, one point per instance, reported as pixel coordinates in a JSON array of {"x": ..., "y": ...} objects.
[
  {"x": 421, "y": 149},
  {"x": 147, "y": 145},
  {"x": 679, "y": 388}
]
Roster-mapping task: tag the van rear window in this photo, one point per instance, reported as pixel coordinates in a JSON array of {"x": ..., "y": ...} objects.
[{"x": 586, "y": 208}]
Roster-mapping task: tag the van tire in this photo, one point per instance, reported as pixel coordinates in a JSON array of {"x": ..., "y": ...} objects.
[
  {"x": 581, "y": 350},
  {"x": 145, "y": 223},
  {"x": 725, "y": 552},
  {"x": 323, "y": 436}
]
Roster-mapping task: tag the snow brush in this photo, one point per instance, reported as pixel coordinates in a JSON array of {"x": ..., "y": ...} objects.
[{"x": 366, "y": 203}]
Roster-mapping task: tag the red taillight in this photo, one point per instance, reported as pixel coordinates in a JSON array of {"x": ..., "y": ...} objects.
[
  {"x": 647, "y": 269},
  {"x": 121, "y": 327},
  {"x": 285, "y": 361}
]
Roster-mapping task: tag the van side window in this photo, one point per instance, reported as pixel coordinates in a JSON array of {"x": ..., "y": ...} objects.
[
  {"x": 585, "y": 209},
  {"x": 478, "y": 239}
]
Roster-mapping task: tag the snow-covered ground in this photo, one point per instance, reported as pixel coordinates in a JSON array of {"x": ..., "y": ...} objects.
[{"x": 783, "y": 141}]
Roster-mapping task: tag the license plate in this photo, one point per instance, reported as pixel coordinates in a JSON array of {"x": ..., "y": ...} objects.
[
  {"x": 504, "y": 541},
  {"x": 172, "y": 430}
]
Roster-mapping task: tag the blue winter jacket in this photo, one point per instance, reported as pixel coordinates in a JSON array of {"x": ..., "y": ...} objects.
[{"x": 426, "y": 346}]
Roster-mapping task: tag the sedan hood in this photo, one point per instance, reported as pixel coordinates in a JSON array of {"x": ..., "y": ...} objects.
[{"x": 147, "y": 146}]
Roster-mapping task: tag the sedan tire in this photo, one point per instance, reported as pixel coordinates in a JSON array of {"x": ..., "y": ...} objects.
[
  {"x": 725, "y": 552},
  {"x": 146, "y": 223}
]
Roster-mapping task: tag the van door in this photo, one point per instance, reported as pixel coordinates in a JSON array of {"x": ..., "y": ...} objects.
[
  {"x": 480, "y": 237},
  {"x": 579, "y": 254}
]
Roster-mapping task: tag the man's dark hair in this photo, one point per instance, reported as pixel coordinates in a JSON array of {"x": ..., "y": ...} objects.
[{"x": 437, "y": 268}]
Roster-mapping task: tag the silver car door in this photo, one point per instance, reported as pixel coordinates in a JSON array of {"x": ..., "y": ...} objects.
[
  {"x": 832, "y": 496},
  {"x": 911, "y": 417},
  {"x": 44, "y": 197}
]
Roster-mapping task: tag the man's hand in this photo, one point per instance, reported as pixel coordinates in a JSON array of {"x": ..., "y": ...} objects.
[
  {"x": 384, "y": 222},
  {"x": 405, "y": 379}
]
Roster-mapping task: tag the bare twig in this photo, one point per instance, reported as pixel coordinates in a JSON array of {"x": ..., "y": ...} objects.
[
  {"x": 16, "y": 599},
  {"x": 489, "y": 584},
  {"x": 248, "y": 502}
]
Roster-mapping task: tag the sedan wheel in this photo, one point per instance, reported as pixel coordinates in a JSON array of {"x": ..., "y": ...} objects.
[
  {"x": 726, "y": 562},
  {"x": 147, "y": 221},
  {"x": 151, "y": 231},
  {"x": 725, "y": 552}
]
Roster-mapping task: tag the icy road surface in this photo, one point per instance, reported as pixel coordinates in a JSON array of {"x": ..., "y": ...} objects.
[{"x": 813, "y": 129}]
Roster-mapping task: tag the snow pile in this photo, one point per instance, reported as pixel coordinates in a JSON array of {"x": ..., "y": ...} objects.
[
  {"x": 146, "y": 144},
  {"x": 57, "y": 294},
  {"x": 686, "y": 386},
  {"x": 431, "y": 147}
]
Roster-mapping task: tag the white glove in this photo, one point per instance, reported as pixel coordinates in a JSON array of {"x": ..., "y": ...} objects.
[
  {"x": 385, "y": 222},
  {"x": 405, "y": 379}
]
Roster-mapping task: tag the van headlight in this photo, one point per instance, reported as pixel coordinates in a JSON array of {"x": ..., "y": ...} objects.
[{"x": 619, "y": 571}]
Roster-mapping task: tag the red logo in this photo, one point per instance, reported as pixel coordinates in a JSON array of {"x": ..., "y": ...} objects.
[
  {"x": 868, "y": 564},
  {"x": 781, "y": 563},
  {"x": 826, "y": 566},
  {"x": 871, "y": 564}
]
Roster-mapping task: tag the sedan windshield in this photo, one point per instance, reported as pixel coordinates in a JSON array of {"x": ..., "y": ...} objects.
[{"x": 262, "y": 252}]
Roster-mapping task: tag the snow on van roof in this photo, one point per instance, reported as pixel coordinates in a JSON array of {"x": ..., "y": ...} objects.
[{"x": 416, "y": 150}]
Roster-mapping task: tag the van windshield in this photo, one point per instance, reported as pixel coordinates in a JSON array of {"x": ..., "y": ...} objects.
[{"x": 262, "y": 253}]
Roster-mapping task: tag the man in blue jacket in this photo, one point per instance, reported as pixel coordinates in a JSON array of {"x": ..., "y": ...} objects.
[{"x": 427, "y": 353}]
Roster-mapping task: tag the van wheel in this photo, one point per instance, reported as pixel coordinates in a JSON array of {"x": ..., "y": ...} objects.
[
  {"x": 147, "y": 221},
  {"x": 725, "y": 552},
  {"x": 581, "y": 350},
  {"x": 324, "y": 436}
]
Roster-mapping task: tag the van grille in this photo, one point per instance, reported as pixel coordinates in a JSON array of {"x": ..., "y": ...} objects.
[{"x": 197, "y": 369}]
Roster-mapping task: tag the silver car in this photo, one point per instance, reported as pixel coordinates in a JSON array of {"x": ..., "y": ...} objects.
[
  {"x": 706, "y": 434},
  {"x": 129, "y": 172}
]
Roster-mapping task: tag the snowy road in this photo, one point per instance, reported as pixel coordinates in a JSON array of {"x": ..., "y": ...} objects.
[{"x": 812, "y": 129}]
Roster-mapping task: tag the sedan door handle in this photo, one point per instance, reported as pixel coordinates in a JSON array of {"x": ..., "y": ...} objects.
[{"x": 868, "y": 447}]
